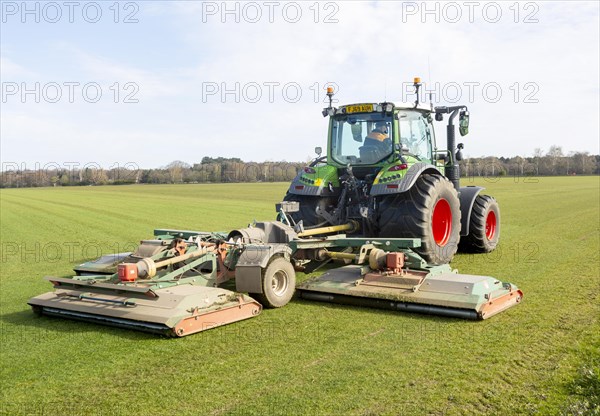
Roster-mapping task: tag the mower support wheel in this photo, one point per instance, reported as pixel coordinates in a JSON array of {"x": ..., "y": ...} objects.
[{"x": 278, "y": 284}]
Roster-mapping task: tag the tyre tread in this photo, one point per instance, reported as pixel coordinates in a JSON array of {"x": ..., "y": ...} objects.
[
  {"x": 476, "y": 241},
  {"x": 408, "y": 214}
]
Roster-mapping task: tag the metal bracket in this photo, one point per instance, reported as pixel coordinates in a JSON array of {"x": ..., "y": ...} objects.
[{"x": 332, "y": 219}]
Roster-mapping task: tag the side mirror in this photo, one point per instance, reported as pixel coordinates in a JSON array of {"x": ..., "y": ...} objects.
[
  {"x": 356, "y": 132},
  {"x": 463, "y": 123},
  {"x": 459, "y": 155},
  {"x": 439, "y": 117},
  {"x": 318, "y": 151}
]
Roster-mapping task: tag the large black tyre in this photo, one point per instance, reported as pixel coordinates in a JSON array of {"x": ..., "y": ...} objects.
[
  {"x": 308, "y": 208},
  {"x": 278, "y": 284},
  {"x": 429, "y": 210},
  {"x": 484, "y": 226}
]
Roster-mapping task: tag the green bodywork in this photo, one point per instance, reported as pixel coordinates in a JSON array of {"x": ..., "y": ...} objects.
[
  {"x": 323, "y": 174},
  {"x": 386, "y": 175}
]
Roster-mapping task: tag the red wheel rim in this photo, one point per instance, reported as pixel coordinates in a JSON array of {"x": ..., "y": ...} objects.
[
  {"x": 490, "y": 225},
  {"x": 441, "y": 222}
]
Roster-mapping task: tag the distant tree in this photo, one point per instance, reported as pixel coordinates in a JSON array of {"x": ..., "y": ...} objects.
[
  {"x": 555, "y": 151},
  {"x": 220, "y": 160},
  {"x": 176, "y": 169},
  {"x": 100, "y": 177}
]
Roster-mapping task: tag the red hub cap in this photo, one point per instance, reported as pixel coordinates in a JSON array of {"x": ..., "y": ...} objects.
[
  {"x": 441, "y": 222},
  {"x": 490, "y": 225}
]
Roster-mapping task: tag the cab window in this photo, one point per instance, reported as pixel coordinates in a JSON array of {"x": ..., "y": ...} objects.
[
  {"x": 415, "y": 134},
  {"x": 361, "y": 139}
]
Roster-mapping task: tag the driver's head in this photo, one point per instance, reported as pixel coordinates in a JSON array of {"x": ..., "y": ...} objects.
[{"x": 381, "y": 126}]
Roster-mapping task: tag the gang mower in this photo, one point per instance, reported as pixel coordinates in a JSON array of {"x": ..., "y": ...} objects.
[
  {"x": 377, "y": 221},
  {"x": 173, "y": 284}
]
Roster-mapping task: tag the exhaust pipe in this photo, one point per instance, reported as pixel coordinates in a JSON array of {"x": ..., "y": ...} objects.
[{"x": 452, "y": 170}]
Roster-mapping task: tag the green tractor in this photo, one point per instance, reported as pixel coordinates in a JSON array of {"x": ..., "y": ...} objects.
[{"x": 383, "y": 170}]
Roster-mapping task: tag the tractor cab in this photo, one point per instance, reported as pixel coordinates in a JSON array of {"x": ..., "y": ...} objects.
[{"x": 380, "y": 134}]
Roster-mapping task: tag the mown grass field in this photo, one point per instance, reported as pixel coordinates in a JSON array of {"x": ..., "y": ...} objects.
[{"x": 541, "y": 357}]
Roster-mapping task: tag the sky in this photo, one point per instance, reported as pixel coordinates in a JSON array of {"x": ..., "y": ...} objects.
[{"x": 151, "y": 82}]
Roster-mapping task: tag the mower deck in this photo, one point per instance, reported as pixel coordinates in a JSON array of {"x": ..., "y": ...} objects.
[
  {"x": 176, "y": 311},
  {"x": 446, "y": 293}
]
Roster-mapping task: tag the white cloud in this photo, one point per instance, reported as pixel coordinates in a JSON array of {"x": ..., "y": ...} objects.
[{"x": 10, "y": 70}]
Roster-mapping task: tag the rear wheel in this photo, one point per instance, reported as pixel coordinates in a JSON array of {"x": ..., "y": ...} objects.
[
  {"x": 430, "y": 210},
  {"x": 308, "y": 208},
  {"x": 278, "y": 284},
  {"x": 484, "y": 226}
]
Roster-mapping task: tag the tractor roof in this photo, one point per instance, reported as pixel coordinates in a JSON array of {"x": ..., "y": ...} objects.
[
  {"x": 374, "y": 107},
  {"x": 411, "y": 106}
]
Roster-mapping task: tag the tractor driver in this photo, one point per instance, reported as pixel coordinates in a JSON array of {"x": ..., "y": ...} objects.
[{"x": 379, "y": 137}]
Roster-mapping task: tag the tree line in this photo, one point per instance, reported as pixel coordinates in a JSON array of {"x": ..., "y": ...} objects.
[
  {"x": 554, "y": 162},
  {"x": 209, "y": 170}
]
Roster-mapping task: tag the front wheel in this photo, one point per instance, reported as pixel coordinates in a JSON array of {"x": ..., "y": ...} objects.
[
  {"x": 484, "y": 226},
  {"x": 278, "y": 284},
  {"x": 429, "y": 210}
]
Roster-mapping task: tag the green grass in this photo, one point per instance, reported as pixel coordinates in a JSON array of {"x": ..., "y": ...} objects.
[{"x": 307, "y": 358}]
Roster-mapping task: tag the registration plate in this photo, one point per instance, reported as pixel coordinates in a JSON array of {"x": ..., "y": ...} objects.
[{"x": 359, "y": 108}]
